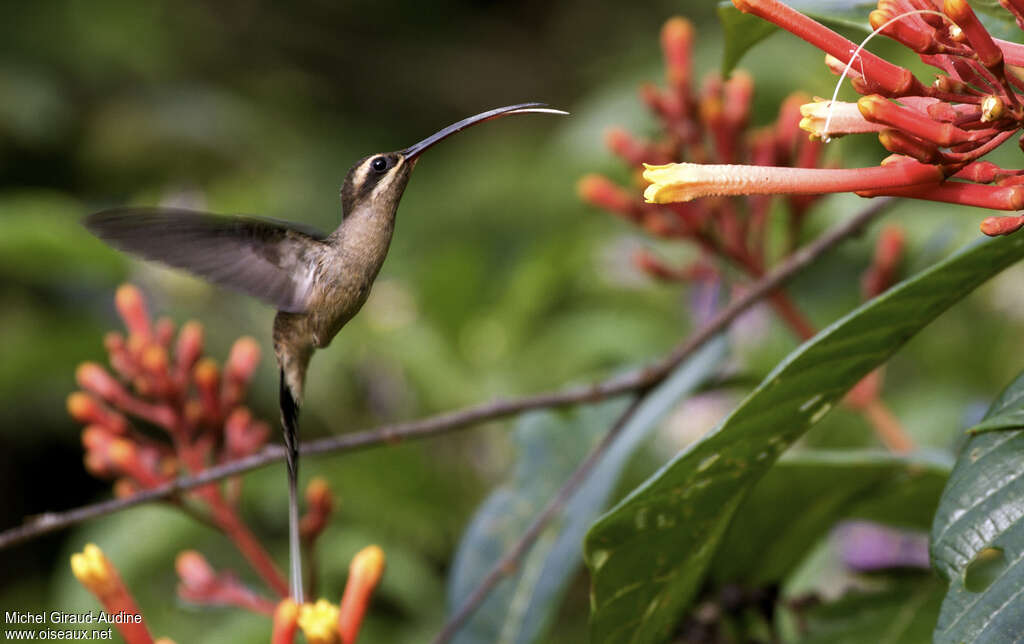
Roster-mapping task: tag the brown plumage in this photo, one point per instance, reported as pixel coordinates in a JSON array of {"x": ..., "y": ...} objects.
[{"x": 316, "y": 282}]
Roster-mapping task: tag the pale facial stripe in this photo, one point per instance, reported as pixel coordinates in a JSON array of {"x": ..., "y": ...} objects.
[{"x": 386, "y": 180}]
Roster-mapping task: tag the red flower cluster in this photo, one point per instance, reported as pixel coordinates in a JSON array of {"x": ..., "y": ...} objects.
[
  {"x": 194, "y": 417},
  {"x": 710, "y": 125},
  {"x": 321, "y": 622},
  {"x": 937, "y": 133}
]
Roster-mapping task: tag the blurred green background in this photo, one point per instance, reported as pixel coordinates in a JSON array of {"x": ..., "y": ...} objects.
[{"x": 499, "y": 281}]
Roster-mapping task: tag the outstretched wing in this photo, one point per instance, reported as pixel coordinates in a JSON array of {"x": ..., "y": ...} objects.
[{"x": 266, "y": 258}]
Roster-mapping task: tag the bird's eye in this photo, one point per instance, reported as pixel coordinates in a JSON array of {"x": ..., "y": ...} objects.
[{"x": 380, "y": 164}]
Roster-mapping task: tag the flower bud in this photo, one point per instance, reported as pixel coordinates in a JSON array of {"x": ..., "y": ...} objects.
[
  {"x": 320, "y": 503},
  {"x": 125, "y": 487},
  {"x": 364, "y": 574},
  {"x": 285, "y": 622},
  {"x": 207, "y": 378},
  {"x": 196, "y": 574},
  {"x": 189, "y": 346},
  {"x": 164, "y": 331},
  {"x": 677, "y": 46},
  {"x": 84, "y": 408},
  {"x": 242, "y": 434},
  {"x": 132, "y": 308},
  {"x": 993, "y": 226},
  {"x": 95, "y": 379},
  {"x": 602, "y": 192},
  {"x": 243, "y": 359},
  {"x": 94, "y": 571}
]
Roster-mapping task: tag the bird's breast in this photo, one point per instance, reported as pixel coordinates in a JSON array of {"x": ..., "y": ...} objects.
[{"x": 346, "y": 273}]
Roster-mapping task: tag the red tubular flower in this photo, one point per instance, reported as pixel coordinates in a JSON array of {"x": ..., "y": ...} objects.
[
  {"x": 199, "y": 407},
  {"x": 1001, "y": 225},
  {"x": 243, "y": 434},
  {"x": 200, "y": 584},
  {"x": 92, "y": 568},
  {"x": 185, "y": 396},
  {"x": 709, "y": 199},
  {"x": 286, "y": 622},
  {"x": 363, "y": 576},
  {"x": 888, "y": 255},
  {"x": 320, "y": 504},
  {"x": 893, "y": 80},
  {"x": 132, "y": 307},
  {"x": 188, "y": 350},
  {"x": 238, "y": 370},
  {"x": 973, "y": 107}
]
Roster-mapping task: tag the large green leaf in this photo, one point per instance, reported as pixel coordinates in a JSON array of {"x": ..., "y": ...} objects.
[
  {"x": 550, "y": 446},
  {"x": 978, "y": 534},
  {"x": 649, "y": 554},
  {"x": 800, "y": 499},
  {"x": 902, "y": 613},
  {"x": 1007, "y": 414},
  {"x": 742, "y": 31}
]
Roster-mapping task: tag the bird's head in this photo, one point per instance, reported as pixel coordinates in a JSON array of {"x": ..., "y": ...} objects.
[{"x": 379, "y": 180}]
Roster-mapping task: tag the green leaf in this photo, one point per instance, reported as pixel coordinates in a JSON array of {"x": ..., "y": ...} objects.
[
  {"x": 900, "y": 614},
  {"x": 649, "y": 554},
  {"x": 743, "y": 31},
  {"x": 998, "y": 21},
  {"x": 800, "y": 499},
  {"x": 550, "y": 447},
  {"x": 977, "y": 540},
  {"x": 1010, "y": 416}
]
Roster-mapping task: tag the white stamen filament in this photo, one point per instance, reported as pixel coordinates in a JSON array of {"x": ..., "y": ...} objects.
[{"x": 846, "y": 70}]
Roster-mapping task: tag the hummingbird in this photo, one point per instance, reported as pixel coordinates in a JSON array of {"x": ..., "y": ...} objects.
[{"x": 317, "y": 282}]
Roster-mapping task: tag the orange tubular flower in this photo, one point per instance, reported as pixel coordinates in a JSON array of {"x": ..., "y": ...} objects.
[
  {"x": 363, "y": 576},
  {"x": 718, "y": 189},
  {"x": 974, "y": 106},
  {"x": 168, "y": 384},
  {"x": 92, "y": 568}
]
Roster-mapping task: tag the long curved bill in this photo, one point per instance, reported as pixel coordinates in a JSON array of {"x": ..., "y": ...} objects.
[{"x": 416, "y": 149}]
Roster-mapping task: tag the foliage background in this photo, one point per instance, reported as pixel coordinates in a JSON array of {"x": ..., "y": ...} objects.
[{"x": 499, "y": 281}]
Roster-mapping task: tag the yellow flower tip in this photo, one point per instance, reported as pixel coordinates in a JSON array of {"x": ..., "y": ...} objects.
[
  {"x": 127, "y": 297},
  {"x": 121, "y": 452},
  {"x": 817, "y": 108},
  {"x": 741, "y": 78},
  {"x": 80, "y": 406},
  {"x": 164, "y": 640},
  {"x": 368, "y": 565},
  {"x": 678, "y": 28},
  {"x": 206, "y": 373},
  {"x": 319, "y": 622},
  {"x": 318, "y": 492},
  {"x": 287, "y": 612},
  {"x": 842, "y": 118},
  {"x": 815, "y": 114},
  {"x": 878, "y": 17},
  {"x": 92, "y": 569},
  {"x": 670, "y": 182},
  {"x": 154, "y": 358}
]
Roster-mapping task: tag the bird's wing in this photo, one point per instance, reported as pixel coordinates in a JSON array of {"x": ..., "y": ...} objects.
[{"x": 266, "y": 258}]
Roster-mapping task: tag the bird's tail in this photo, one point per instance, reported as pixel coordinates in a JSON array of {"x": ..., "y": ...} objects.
[{"x": 290, "y": 426}]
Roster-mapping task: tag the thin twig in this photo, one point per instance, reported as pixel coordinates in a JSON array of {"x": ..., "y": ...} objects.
[
  {"x": 510, "y": 561},
  {"x": 635, "y": 380}
]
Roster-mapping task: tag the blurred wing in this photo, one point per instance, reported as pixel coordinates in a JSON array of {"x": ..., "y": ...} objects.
[{"x": 269, "y": 259}]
